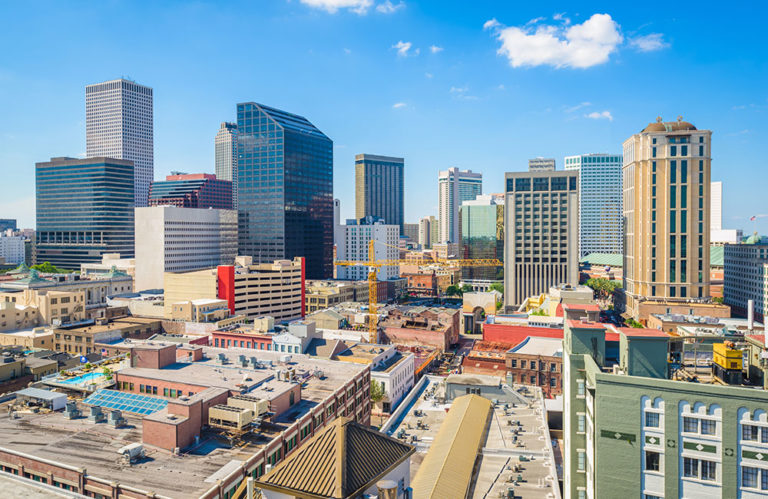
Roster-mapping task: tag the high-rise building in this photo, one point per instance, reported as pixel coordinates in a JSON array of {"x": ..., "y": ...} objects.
[
  {"x": 717, "y": 234},
  {"x": 481, "y": 233},
  {"x": 666, "y": 214},
  {"x": 428, "y": 232},
  {"x": 745, "y": 276},
  {"x": 352, "y": 242},
  {"x": 12, "y": 247},
  {"x": 195, "y": 190},
  {"x": 226, "y": 155},
  {"x": 173, "y": 239},
  {"x": 379, "y": 188},
  {"x": 285, "y": 188},
  {"x": 7, "y": 223},
  {"x": 84, "y": 209},
  {"x": 600, "y": 196},
  {"x": 411, "y": 232},
  {"x": 541, "y": 165},
  {"x": 541, "y": 235},
  {"x": 119, "y": 124},
  {"x": 454, "y": 187},
  {"x": 636, "y": 410}
]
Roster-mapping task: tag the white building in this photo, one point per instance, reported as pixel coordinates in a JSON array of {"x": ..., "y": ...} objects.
[
  {"x": 600, "y": 202},
  {"x": 119, "y": 125},
  {"x": 352, "y": 244},
  {"x": 393, "y": 369},
  {"x": 173, "y": 239},
  {"x": 745, "y": 276},
  {"x": 717, "y": 234},
  {"x": 454, "y": 187},
  {"x": 226, "y": 156},
  {"x": 427, "y": 229},
  {"x": 12, "y": 247}
]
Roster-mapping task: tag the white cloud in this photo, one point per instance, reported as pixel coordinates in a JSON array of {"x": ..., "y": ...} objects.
[
  {"x": 561, "y": 17},
  {"x": 404, "y": 49},
  {"x": 648, "y": 43},
  {"x": 458, "y": 90},
  {"x": 333, "y": 6},
  {"x": 461, "y": 93},
  {"x": 398, "y": 105},
  {"x": 577, "y": 107},
  {"x": 600, "y": 115},
  {"x": 389, "y": 8},
  {"x": 435, "y": 49},
  {"x": 428, "y": 75},
  {"x": 576, "y": 46}
]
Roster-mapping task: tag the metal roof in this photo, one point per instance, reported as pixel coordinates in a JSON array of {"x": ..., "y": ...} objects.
[
  {"x": 41, "y": 394},
  {"x": 716, "y": 256},
  {"x": 342, "y": 460},
  {"x": 446, "y": 471},
  {"x": 610, "y": 259}
]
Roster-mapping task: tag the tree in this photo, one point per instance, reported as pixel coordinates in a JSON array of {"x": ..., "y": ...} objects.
[
  {"x": 539, "y": 311},
  {"x": 453, "y": 290},
  {"x": 603, "y": 288},
  {"x": 49, "y": 268},
  {"x": 377, "y": 391},
  {"x": 633, "y": 323},
  {"x": 466, "y": 288},
  {"x": 497, "y": 286},
  {"x": 718, "y": 299}
]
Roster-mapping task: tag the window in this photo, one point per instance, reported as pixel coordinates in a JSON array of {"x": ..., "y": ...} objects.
[
  {"x": 708, "y": 427},
  {"x": 690, "y": 425},
  {"x": 652, "y": 419},
  {"x": 580, "y": 388},
  {"x": 652, "y": 461},
  {"x": 749, "y": 432},
  {"x": 708, "y": 469},
  {"x": 749, "y": 477},
  {"x": 690, "y": 467},
  {"x": 581, "y": 460}
]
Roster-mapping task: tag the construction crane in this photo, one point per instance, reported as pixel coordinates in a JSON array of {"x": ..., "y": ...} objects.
[{"x": 374, "y": 265}]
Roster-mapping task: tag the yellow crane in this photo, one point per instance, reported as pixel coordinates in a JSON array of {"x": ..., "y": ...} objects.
[{"x": 374, "y": 265}]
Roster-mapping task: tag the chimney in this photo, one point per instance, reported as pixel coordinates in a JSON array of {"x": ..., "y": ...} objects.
[{"x": 387, "y": 489}]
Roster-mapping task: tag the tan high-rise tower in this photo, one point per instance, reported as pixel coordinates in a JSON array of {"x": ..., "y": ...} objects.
[{"x": 666, "y": 218}]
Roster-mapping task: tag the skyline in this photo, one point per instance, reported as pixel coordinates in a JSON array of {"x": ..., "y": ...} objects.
[{"x": 442, "y": 85}]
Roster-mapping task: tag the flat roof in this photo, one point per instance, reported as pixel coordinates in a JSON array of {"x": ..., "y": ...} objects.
[
  {"x": 586, "y": 307},
  {"x": 538, "y": 345},
  {"x": 41, "y": 394},
  {"x": 636, "y": 332},
  {"x": 586, "y": 325},
  {"x": 473, "y": 379},
  {"x": 204, "y": 375}
]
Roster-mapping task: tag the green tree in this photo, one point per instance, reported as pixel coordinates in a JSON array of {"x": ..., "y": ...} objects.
[
  {"x": 718, "y": 299},
  {"x": 539, "y": 311},
  {"x": 453, "y": 290},
  {"x": 466, "y": 288},
  {"x": 603, "y": 288},
  {"x": 633, "y": 323},
  {"x": 49, "y": 268},
  {"x": 377, "y": 391},
  {"x": 497, "y": 286}
]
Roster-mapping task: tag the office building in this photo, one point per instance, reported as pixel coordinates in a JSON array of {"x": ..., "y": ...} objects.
[
  {"x": 717, "y": 234},
  {"x": 196, "y": 190},
  {"x": 352, "y": 241},
  {"x": 84, "y": 209},
  {"x": 119, "y": 124},
  {"x": 173, "y": 239},
  {"x": 454, "y": 187},
  {"x": 7, "y": 223},
  {"x": 745, "y": 276},
  {"x": 411, "y": 233},
  {"x": 668, "y": 436},
  {"x": 666, "y": 214},
  {"x": 600, "y": 197},
  {"x": 379, "y": 188},
  {"x": 285, "y": 188},
  {"x": 541, "y": 235},
  {"x": 226, "y": 156},
  {"x": 482, "y": 236},
  {"x": 274, "y": 289},
  {"x": 12, "y": 248},
  {"x": 541, "y": 165},
  {"x": 429, "y": 231}
]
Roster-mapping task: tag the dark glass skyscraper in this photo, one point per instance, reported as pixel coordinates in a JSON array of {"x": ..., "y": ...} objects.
[
  {"x": 195, "y": 190},
  {"x": 379, "y": 188},
  {"x": 84, "y": 209},
  {"x": 284, "y": 188}
]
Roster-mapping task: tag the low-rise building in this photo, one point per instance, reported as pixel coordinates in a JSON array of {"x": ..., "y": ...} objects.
[
  {"x": 83, "y": 339},
  {"x": 38, "y": 337},
  {"x": 109, "y": 262},
  {"x": 200, "y": 310},
  {"x": 414, "y": 326},
  {"x": 321, "y": 295},
  {"x": 537, "y": 361}
]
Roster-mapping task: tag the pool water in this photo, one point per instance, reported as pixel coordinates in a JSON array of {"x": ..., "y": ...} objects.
[{"x": 83, "y": 379}]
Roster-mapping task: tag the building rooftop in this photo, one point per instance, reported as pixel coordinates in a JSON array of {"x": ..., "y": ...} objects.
[
  {"x": 473, "y": 379},
  {"x": 585, "y": 325},
  {"x": 669, "y": 126},
  {"x": 581, "y": 307},
  {"x": 537, "y": 345},
  {"x": 600, "y": 259},
  {"x": 635, "y": 332}
]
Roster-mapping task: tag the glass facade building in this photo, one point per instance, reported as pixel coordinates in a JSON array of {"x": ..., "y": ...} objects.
[
  {"x": 379, "y": 190},
  {"x": 84, "y": 209},
  {"x": 284, "y": 188},
  {"x": 197, "y": 190},
  {"x": 600, "y": 202},
  {"x": 481, "y": 232}
]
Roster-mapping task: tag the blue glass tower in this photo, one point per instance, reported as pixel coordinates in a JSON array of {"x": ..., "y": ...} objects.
[{"x": 284, "y": 188}]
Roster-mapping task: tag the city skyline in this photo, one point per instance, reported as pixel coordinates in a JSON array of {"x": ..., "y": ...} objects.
[{"x": 581, "y": 102}]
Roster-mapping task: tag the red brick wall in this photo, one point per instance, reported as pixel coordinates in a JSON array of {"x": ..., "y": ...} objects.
[
  {"x": 475, "y": 365},
  {"x": 154, "y": 358},
  {"x": 160, "y": 384},
  {"x": 515, "y": 334},
  {"x": 280, "y": 404},
  {"x": 417, "y": 337}
]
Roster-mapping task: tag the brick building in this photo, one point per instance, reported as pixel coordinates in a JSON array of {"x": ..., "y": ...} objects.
[{"x": 538, "y": 362}]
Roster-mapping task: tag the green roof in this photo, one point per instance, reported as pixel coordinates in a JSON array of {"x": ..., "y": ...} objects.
[
  {"x": 609, "y": 259},
  {"x": 716, "y": 255},
  {"x": 755, "y": 239}
]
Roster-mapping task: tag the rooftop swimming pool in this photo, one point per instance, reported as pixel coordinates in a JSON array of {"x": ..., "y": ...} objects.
[{"x": 83, "y": 379}]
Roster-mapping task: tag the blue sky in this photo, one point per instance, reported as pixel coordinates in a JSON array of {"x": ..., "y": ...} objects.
[{"x": 481, "y": 85}]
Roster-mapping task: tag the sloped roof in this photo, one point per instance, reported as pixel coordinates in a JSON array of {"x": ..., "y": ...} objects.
[
  {"x": 447, "y": 468},
  {"x": 716, "y": 255},
  {"x": 21, "y": 269},
  {"x": 320, "y": 347},
  {"x": 610, "y": 259},
  {"x": 340, "y": 461}
]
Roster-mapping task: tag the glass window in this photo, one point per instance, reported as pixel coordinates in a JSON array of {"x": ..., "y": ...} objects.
[
  {"x": 690, "y": 467},
  {"x": 708, "y": 470},
  {"x": 581, "y": 423},
  {"x": 580, "y": 388},
  {"x": 749, "y": 477},
  {"x": 690, "y": 425},
  {"x": 652, "y": 419},
  {"x": 708, "y": 427},
  {"x": 749, "y": 432},
  {"x": 581, "y": 462},
  {"x": 652, "y": 461}
]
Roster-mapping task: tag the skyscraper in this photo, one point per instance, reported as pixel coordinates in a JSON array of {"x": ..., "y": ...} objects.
[
  {"x": 285, "y": 188},
  {"x": 379, "y": 188},
  {"x": 428, "y": 233},
  {"x": 541, "y": 235},
  {"x": 454, "y": 187},
  {"x": 226, "y": 155},
  {"x": 482, "y": 236},
  {"x": 600, "y": 195},
  {"x": 84, "y": 209},
  {"x": 119, "y": 124},
  {"x": 352, "y": 242},
  {"x": 541, "y": 165},
  {"x": 666, "y": 213},
  {"x": 191, "y": 190},
  {"x": 716, "y": 206}
]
